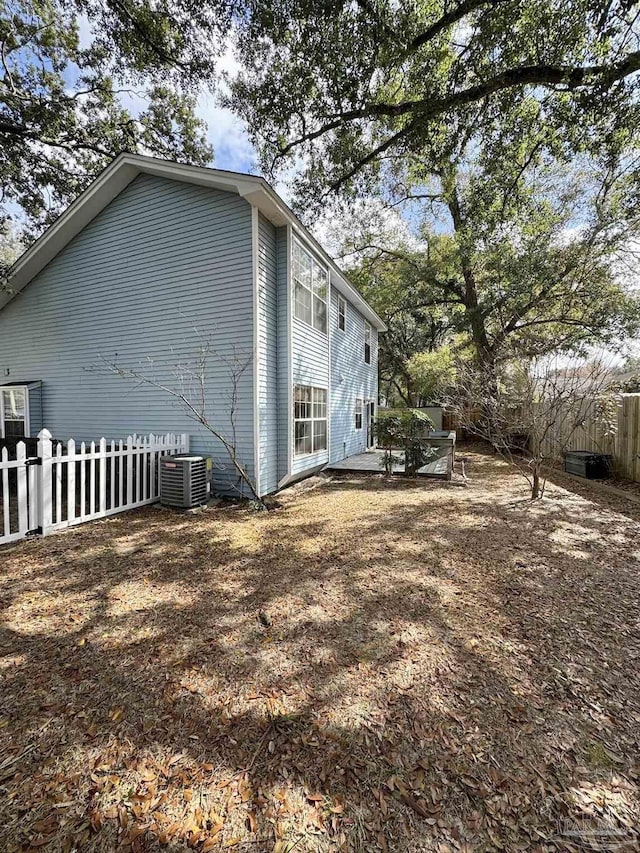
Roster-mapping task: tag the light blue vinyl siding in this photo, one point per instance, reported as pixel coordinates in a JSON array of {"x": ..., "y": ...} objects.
[
  {"x": 164, "y": 269},
  {"x": 36, "y": 423},
  {"x": 351, "y": 379},
  {"x": 310, "y": 355},
  {"x": 310, "y": 366},
  {"x": 267, "y": 355},
  {"x": 284, "y": 355}
]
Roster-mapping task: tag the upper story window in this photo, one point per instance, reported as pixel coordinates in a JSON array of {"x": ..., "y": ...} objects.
[
  {"x": 14, "y": 412},
  {"x": 310, "y": 288},
  {"x": 342, "y": 313},
  {"x": 367, "y": 343}
]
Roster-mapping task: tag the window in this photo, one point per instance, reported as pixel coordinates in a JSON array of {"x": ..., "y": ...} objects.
[
  {"x": 310, "y": 287},
  {"x": 342, "y": 313},
  {"x": 14, "y": 412},
  {"x": 367, "y": 343},
  {"x": 358, "y": 414},
  {"x": 309, "y": 419}
]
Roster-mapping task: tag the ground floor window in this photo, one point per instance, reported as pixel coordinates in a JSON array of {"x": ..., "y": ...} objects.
[
  {"x": 358, "y": 414},
  {"x": 309, "y": 419},
  {"x": 14, "y": 412}
]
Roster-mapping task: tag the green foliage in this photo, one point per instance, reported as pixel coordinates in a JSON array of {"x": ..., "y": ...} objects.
[
  {"x": 432, "y": 373},
  {"x": 10, "y": 249},
  {"x": 516, "y": 124},
  {"x": 630, "y": 383},
  {"x": 352, "y": 87},
  {"x": 409, "y": 74},
  {"x": 390, "y": 460},
  {"x": 62, "y": 102},
  {"x": 530, "y": 265},
  {"x": 398, "y": 283},
  {"x": 405, "y": 429}
]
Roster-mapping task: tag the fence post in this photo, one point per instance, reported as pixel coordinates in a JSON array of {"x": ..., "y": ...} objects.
[
  {"x": 4, "y": 491},
  {"x": 130, "y": 441},
  {"x": 102, "y": 476},
  {"x": 44, "y": 481},
  {"x": 71, "y": 480},
  {"x": 23, "y": 488}
]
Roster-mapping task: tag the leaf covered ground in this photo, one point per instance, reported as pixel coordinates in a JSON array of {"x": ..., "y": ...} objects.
[{"x": 376, "y": 665}]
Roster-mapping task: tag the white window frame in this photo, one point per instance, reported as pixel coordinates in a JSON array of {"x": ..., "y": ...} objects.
[
  {"x": 313, "y": 420},
  {"x": 312, "y": 291},
  {"x": 27, "y": 414},
  {"x": 342, "y": 314},
  {"x": 358, "y": 413},
  {"x": 367, "y": 342}
]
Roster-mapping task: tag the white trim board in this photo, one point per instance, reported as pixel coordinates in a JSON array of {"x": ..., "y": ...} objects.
[
  {"x": 27, "y": 410},
  {"x": 255, "y": 248},
  {"x": 290, "y": 433}
]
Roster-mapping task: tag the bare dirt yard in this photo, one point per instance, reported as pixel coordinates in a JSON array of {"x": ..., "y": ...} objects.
[{"x": 390, "y": 666}]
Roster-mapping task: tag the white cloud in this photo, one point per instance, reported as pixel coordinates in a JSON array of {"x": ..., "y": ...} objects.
[
  {"x": 228, "y": 135},
  {"x": 341, "y": 232}
]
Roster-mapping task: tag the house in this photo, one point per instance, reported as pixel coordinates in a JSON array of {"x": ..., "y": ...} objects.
[{"x": 156, "y": 262}]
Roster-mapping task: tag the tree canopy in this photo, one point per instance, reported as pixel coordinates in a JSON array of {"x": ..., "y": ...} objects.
[
  {"x": 513, "y": 263},
  {"x": 68, "y": 104},
  {"x": 348, "y": 85},
  {"x": 508, "y": 129},
  {"x": 344, "y": 86}
]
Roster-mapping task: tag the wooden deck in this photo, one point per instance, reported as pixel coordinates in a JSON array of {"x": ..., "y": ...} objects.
[{"x": 371, "y": 462}]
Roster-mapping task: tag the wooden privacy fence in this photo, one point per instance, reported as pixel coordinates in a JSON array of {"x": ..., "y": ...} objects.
[
  {"x": 624, "y": 443},
  {"x": 67, "y": 484},
  {"x": 435, "y": 413},
  {"x": 460, "y": 422}
]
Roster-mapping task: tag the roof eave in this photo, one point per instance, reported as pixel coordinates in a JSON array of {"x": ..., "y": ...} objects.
[
  {"x": 281, "y": 214},
  {"x": 120, "y": 173},
  {"x": 77, "y": 216}
]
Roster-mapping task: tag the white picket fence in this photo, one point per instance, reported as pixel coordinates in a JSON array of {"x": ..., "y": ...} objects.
[{"x": 67, "y": 484}]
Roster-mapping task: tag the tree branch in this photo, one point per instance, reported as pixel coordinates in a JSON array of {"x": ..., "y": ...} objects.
[
  {"x": 448, "y": 19},
  {"x": 428, "y": 108},
  {"x": 364, "y": 161},
  {"x": 72, "y": 146},
  {"x": 146, "y": 38}
]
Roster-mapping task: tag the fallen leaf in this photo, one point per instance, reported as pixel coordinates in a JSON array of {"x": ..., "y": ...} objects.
[{"x": 418, "y": 807}]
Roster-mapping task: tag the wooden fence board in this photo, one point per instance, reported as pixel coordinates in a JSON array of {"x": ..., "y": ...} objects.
[{"x": 624, "y": 446}]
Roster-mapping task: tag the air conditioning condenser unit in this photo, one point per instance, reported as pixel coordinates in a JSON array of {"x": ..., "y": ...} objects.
[{"x": 183, "y": 481}]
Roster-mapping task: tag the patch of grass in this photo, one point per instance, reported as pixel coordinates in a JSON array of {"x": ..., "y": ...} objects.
[{"x": 596, "y": 755}]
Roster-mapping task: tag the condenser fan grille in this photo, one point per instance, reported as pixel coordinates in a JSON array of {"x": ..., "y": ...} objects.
[{"x": 183, "y": 481}]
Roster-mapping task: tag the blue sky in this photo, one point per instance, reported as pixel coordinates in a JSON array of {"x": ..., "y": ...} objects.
[
  {"x": 227, "y": 134},
  {"x": 225, "y": 131}
]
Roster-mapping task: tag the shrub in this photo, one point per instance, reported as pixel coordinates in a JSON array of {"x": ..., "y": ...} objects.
[{"x": 407, "y": 430}]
